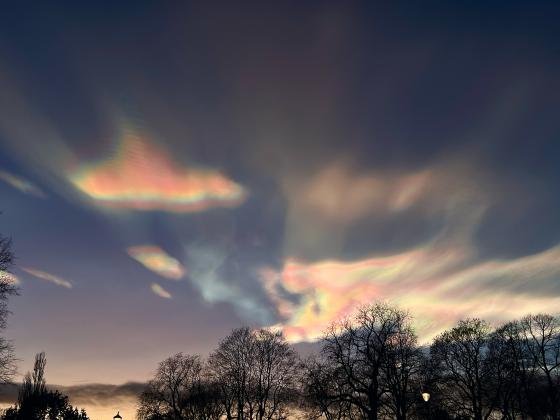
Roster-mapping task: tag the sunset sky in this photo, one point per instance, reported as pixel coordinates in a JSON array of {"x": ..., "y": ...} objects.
[{"x": 172, "y": 170}]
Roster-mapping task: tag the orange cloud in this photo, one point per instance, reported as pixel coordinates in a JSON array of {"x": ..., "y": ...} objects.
[
  {"x": 142, "y": 176},
  {"x": 160, "y": 291},
  {"x": 157, "y": 260}
]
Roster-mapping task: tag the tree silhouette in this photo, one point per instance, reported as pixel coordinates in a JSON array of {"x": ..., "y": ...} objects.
[
  {"x": 36, "y": 402},
  {"x": 541, "y": 336},
  {"x": 518, "y": 371},
  {"x": 370, "y": 367},
  {"x": 367, "y": 354},
  {"x": 401, "y": 369},
  {"x": 468, "y": 370},
  {"x": 178, "y": 391},
  {"x": 321, "y": 396},
  {"x": 7, "y": 289},
  {"x": 256, "y": 372}
]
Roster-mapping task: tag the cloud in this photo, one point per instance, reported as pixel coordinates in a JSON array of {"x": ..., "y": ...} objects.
[
  {"x": 21, "y": 184},
  {"x": 157, "y": 260},
  {"x": 47, "y": 277},
  {"x": 160, "y": 291},
  {"x": 101, "y": 401},
  {"x": 430, "y": 281},
  {"x": 338, "y": 193},
  {"x": 210, "y": 272},
  {"x": 326, "y": 206},
  {"x": 438, "y": 282},
  {"x": 142, "y": 176},
  {"x": 440, "y": 279}
]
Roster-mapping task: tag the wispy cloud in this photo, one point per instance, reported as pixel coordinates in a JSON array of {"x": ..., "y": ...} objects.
[
  {"x": 157, "y": 260},
  {"x": 47, "y": 277},
  {"x": 338, "y": 193},
  {"x": 142, "y": 176},
  {"x": 208, "y": 272},
  {"x": 325, "y": 206},
  {"x": 160, "y": 291},
  {"x": 21, "y": 184},
  {"x": 440, "y": 280}
]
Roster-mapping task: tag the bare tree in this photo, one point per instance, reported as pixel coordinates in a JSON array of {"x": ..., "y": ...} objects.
[
  {"x": 177, "y": 392},
  {"x": 321, "y": 396},
  {"x": 541, "y": 335},
  {"x": 359, "y": 350},
  {"x": 401, "y": 370},
  {"x": 518, "y": 370},
  {"x": 229, "y": 365},
  {"x": 7, "y": 289},
  {"x": 256, "y": 373},
  {"x": 467, "y": 370}
]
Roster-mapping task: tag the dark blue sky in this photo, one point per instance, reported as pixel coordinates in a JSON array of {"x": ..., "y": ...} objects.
[{"x": 171, "y": 171}]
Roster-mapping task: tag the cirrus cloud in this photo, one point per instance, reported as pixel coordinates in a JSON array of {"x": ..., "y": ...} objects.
[
  {"x": 21, "y": 184},
  {"x": 51, "y": 278}
]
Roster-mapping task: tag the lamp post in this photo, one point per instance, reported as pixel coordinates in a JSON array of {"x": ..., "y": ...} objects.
[
  {"x": 426, "y": 398},
  {"x": 117, "y": 417}
]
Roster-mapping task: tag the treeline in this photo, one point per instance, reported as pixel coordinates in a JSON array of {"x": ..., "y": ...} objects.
[{"x": 369, "y": 367}]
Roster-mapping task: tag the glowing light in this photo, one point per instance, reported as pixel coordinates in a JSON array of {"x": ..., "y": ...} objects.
[
  {"x": 157, "y": 260},
  {"x": 142, "y": 176},
  {"x": 10, "y": 278},
  {"x": 160, "y": 291},
  {"x": 21, "y": 184},
  {"x": 48, "y": 277}
]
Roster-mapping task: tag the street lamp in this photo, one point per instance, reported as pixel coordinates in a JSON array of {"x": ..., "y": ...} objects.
[
  {"x": 426, "y": 398},
  {"x": 118, "y": 416}
]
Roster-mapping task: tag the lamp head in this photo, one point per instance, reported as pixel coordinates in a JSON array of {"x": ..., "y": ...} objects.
[{"x": 426, "y": 396}]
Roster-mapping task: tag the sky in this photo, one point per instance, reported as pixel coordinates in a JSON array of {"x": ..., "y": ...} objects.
[{"x": 170, "y": 171}]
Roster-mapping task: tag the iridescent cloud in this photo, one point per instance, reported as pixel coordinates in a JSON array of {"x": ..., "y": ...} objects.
[
  {"x": 440, "y": 280},
  {"x": 431, "y": 282},
  {"x": 21, "y": 184},
  {"x": 160, "y": 291},
  {"x": 142, "y": 176},
  {"x": 47, "y": 277},
  {"x": 157, "y": 260}
]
